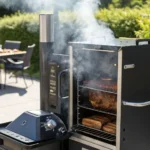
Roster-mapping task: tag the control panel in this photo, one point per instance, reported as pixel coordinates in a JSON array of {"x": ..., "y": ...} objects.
[
  {"x": 35, "y": 126},
  {"x": 53, "y": 84}
]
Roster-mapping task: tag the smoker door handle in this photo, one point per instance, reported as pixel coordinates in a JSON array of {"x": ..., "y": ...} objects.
[
  {"x": 59, "y": 84},
  {"x": 138, "y": 41},
  {"x": 142, "y": 104}
]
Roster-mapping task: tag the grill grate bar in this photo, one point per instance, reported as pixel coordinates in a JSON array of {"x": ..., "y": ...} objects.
[
  {"x": 97, "y": 89},
  {"x": 100, "y": 134},
  {"x": 96, "y": 133},
  {"x": 97, "y": 130},
  {"x": 84, "y": 106}
]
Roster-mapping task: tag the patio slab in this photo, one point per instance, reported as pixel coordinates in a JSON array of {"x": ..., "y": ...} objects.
[{"x": 16, "y": 98}]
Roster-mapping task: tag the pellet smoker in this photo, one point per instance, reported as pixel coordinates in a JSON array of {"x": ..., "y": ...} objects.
[{"x": 83, "y": 89}]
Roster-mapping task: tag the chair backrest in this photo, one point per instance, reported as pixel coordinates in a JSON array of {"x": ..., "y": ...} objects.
[
  {"x": 28, "y": 55},
  {"x": 12, "y": 44}
]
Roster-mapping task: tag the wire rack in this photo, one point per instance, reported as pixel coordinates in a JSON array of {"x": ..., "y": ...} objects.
[
  {"x": 89, "y": 107},
  {"x": 95, "y": 133},
  {"x": 97, "y": 89}
]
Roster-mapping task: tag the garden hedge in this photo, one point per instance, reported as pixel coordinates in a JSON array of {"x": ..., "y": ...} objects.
[{"x": 126, "y": 22}]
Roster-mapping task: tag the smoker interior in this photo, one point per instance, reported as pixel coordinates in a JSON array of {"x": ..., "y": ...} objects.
[{"x": 91, "y": 65}]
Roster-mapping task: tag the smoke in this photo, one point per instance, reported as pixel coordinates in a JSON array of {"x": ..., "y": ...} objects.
[{"x": 92, "y": 31}]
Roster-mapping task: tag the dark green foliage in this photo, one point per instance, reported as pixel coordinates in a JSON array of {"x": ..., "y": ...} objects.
[
  {"x": 105, "y": 3},
  {"x": 4, "y": 11},
  {"x": 129, "y": 3}
]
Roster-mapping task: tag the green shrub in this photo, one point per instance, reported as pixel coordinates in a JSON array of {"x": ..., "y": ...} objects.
[
  {"x": 123, "y": 22},
  {"x": 24, "y": 28},
  {"x": 144, "y": 32}
]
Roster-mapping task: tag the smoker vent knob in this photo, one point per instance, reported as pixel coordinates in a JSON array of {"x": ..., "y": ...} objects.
[{"x": 51, "y": 124}]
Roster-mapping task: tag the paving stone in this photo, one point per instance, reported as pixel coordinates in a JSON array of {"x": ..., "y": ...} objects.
[{"x": 16, "y": 98}]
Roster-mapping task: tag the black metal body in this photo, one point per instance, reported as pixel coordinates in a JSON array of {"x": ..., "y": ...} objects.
[{"x": 135, "y": 89}]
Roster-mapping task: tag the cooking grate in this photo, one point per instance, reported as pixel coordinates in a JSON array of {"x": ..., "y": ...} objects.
[
  {"x": 97, "y": 89},
  {"x": 95, "y": 133},
  {"x": 87, "y": 106}
]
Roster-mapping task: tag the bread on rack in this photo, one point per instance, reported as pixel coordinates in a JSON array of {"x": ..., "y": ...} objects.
[
  {"x": 95, "y": 121},
  {"x": 110, "y": 128}
]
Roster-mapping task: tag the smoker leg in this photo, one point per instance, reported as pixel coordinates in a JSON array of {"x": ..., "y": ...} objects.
[{"x": 24, "y": 79}]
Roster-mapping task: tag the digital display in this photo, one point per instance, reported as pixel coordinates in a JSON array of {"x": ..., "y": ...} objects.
[{"x": 53, "y": 69}]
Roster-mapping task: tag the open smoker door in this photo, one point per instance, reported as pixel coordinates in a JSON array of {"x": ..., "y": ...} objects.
[{"x": 134, "y": 99}]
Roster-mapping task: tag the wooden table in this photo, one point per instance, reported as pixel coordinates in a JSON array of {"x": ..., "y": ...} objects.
[{"x": 10, "y": 53}]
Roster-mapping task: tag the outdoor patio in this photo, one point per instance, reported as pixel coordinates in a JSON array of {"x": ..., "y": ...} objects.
[{"x": 16, "y": 98}]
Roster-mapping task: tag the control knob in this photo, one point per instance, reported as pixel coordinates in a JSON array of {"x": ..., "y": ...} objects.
[{"x": 51, "y": 124}]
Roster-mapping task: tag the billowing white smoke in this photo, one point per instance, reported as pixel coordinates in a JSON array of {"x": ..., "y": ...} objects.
[{"x": 92, "y": 30}]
